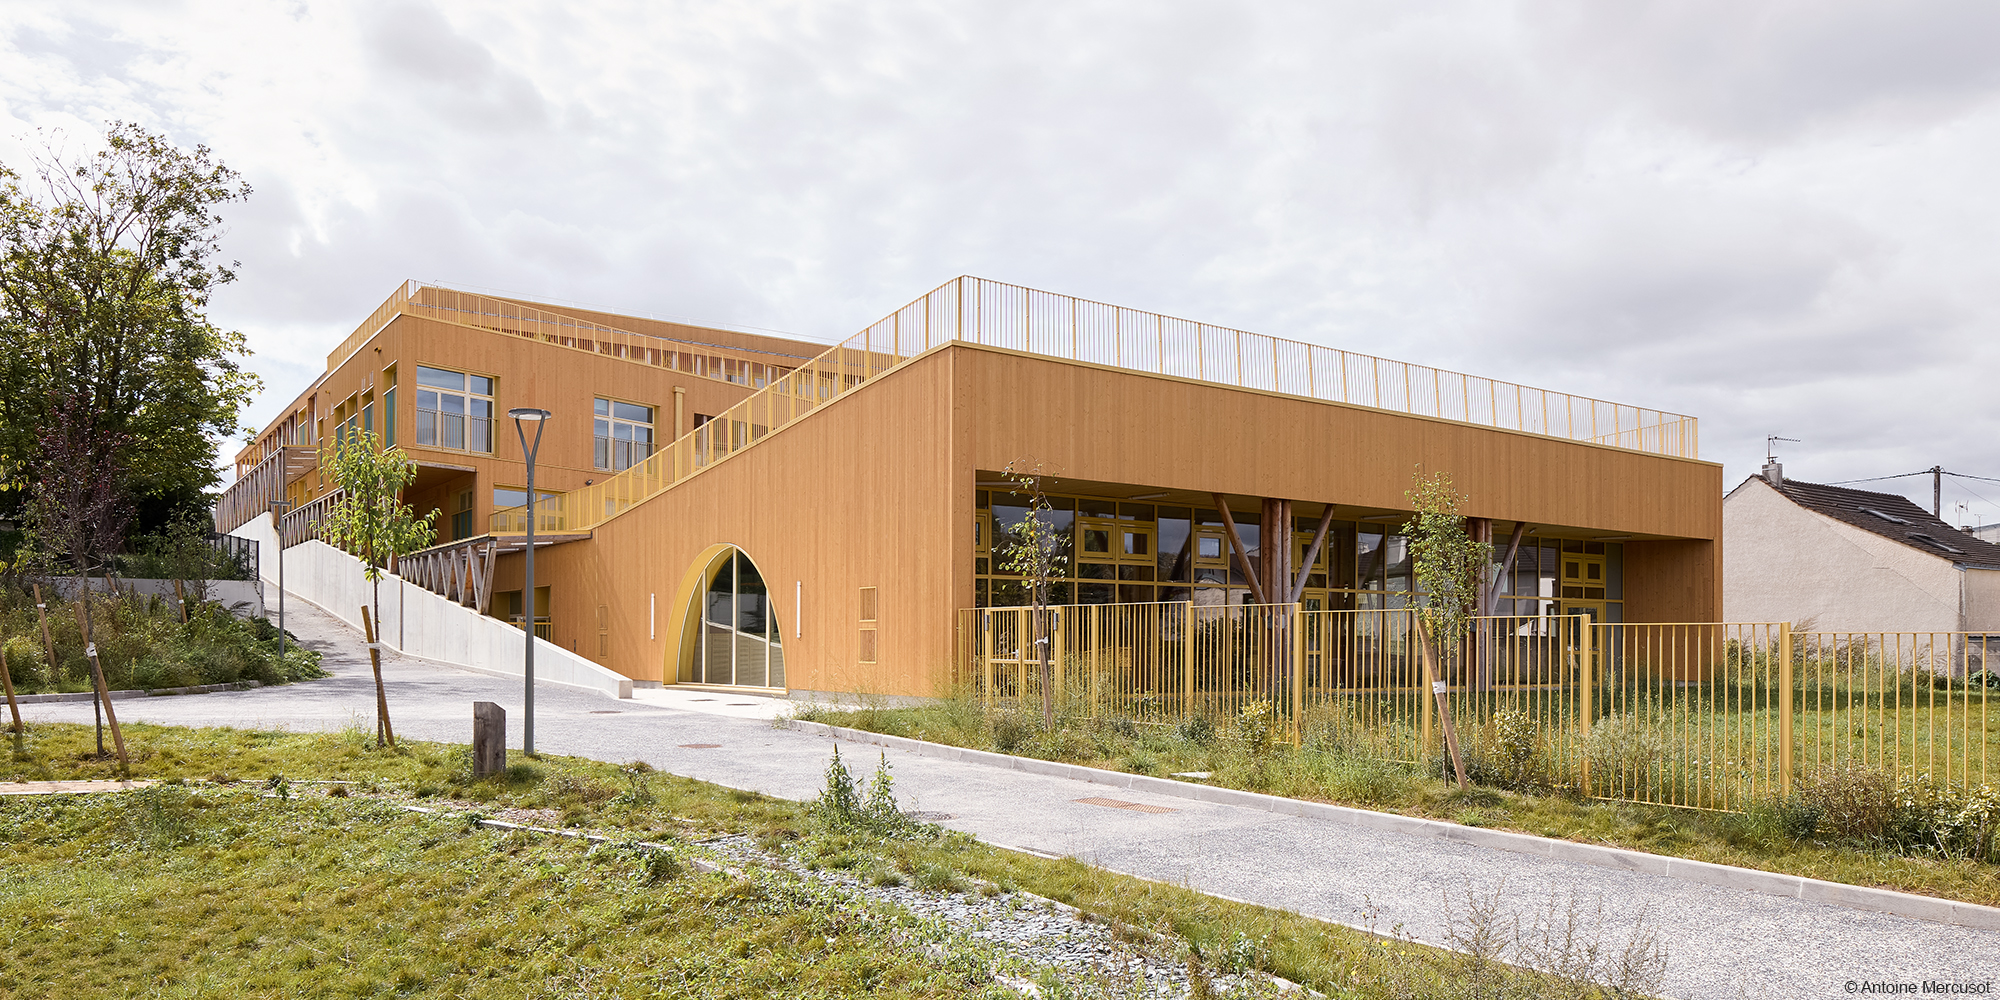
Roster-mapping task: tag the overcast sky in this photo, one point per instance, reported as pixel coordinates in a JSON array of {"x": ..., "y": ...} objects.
[{"x": 1778, "y": 217}]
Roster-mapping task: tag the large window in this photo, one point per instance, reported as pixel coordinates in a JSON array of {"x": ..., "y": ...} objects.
[
  {"x": 1124, "y": 551},
  {"x": 454, "y": 410},
  {"x": 624, "y": 434},
  {"x": 740, "y": 640}
]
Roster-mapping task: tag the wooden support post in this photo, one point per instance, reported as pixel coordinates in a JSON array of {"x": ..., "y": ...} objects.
[
  {"x": 180, "y": 598},
  {"x": 48, "y": 641},
  {"x": 1441, "y": 690},
  {"x": 7, "y": 676},
  {"x": 1242, "y": 554},
  {"x": 383, "y": 730},
  {"x": 103, "y": 692},
  {"x": 489, "y": 739}
]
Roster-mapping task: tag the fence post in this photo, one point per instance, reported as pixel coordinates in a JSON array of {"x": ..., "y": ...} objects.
[
  {"x": 1059, "y": 676},
  {"x": 1422, "y": 689},
  {"x": 1784, "y": 708},
  {"x": 986, "y": 654},
  {"x": 1187, "y": 664},
  {"x": 1298, "y": 676},
  {"x": 1586, "y": 686},
  {"x": 1095, "y": 639}
]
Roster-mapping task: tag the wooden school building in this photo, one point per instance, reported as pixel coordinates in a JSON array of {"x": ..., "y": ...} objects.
[{"x": 720, "y": 508}]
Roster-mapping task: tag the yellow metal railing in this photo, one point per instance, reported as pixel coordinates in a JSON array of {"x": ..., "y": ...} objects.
[
  {"x": 977, "y": 311},
  {"x": 561, "y": 330},
  {"x": 1701, "y": 715}
]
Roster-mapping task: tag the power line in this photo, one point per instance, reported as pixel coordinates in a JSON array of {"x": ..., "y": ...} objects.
[
  {"x": 1877, "y": 479},
  {"x": 1985, "y": 479}
]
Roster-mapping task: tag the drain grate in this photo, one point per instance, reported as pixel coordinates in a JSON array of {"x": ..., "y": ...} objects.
[
  {"x": 733, "y": 704},
  {"x": 700, "y": 746},
  {"x": 1138, "y": 807},
  {"x": 599, "y": 711},
  {"x": 699, "y": 699}
]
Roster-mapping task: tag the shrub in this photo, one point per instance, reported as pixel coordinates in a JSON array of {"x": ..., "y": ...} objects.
[
  {"x": 26, "y": 662},
  {"x": 1011, "y": 731},
  {"x": 1255, "y": 726},
  {"x": 1197, "y": 730},
  {"x": 1955, "y": 822},
  {"x": 1853, "y": 800}
]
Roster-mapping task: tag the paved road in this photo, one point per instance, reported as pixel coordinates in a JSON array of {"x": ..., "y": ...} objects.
[{"x": 1720, "y": 940}]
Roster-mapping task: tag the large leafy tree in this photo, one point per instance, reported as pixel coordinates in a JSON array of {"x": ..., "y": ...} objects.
[{"x": 107, "y": 263}]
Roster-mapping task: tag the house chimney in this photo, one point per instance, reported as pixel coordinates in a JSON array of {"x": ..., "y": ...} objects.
[{"x": 1774, "y": 473}]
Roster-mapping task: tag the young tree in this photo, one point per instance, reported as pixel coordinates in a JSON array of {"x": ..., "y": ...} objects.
[
  {"x": 107, "y": 262},
  {"x": 1040, "y": 555},
  {"x": 374, "y": 523},
  {"x": 1448, "y": 564}
]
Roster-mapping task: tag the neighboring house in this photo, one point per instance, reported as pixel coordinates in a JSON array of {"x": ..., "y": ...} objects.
[
  {"x": 1851, "y": 561},
  {"x": 737, "y": 510},
  {"x": 1986, "y": 533}
]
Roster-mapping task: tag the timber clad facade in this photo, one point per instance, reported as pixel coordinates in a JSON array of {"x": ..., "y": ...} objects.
[{"x": 743, "y": 510}]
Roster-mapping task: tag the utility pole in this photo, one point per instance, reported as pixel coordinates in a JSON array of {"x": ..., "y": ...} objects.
[{"x": 1937, "y": 490}]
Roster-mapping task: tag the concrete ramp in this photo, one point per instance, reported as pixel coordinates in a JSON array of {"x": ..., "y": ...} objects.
[{"x": 417, "y": 622}]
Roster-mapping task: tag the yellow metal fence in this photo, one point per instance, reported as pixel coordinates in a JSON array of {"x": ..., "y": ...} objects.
[{"x": 1702, "y": 715}]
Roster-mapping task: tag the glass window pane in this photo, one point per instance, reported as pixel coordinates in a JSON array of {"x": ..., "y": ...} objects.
[
  {"x": 1211, "y": 547},
  {"x": 505, "y": 497},
  {"x": 482, "y": 407},
  {"x": 427, "y": 400},
  {"x": 632, "y": 411},
  {"x": 1096, "y": 540},
  {"x": 480, "y": 384},
  {"x": 601, "y": 406},
  {"x": 1137, "y": 544},
  {"x": 603, "y": 428},
  {"x": 451, "y": 404},
  {"x": 440, "y": 378}
]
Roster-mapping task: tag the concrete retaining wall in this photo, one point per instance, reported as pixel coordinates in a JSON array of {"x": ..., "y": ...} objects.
[
  {"x": 229, "y": 593},
  {"x": 418, "y": 623}
]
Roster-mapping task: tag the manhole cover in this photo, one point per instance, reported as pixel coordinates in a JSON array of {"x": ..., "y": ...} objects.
[
  {"x": 598, "y": 711},
  {"x": 1138, "y": 807},
  {"x": 700, "y": 746}
]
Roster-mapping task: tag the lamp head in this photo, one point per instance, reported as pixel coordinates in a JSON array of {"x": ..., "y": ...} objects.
[{"x": 528, "y": 413}]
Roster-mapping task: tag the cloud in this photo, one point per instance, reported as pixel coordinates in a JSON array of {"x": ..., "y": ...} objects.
[{"x": 1773, "y": 215}]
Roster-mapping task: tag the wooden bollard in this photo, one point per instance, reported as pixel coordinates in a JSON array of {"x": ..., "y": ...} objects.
[{"x": 489, "y": 739}]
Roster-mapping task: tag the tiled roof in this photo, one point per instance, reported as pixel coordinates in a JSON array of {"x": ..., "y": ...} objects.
[{"x": 1894, "y": 517}]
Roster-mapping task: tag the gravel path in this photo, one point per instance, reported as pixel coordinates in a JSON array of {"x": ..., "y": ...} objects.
[{"x": 1719, "y": 940}]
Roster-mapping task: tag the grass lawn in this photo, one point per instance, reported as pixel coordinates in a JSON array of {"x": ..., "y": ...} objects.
[
  {"x": 225, "y": 882},
  {"x": 1756, "y": 839}
]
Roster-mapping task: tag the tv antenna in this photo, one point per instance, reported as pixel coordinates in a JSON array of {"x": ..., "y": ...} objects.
[{"x": 1771, "y": 446}]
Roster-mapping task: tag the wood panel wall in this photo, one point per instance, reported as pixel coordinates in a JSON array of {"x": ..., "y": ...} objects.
[{"x": 876, "y": 491}]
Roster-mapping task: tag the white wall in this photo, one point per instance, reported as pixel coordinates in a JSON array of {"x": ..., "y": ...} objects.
[
  {"x": 418, "y": 622},
  {"x": 1782, "y": 562},
  {"x": 1982, "y": 600},
  {"x": 229, "y": 593}
]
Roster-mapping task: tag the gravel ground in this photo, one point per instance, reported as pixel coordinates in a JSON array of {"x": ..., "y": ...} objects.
[{"x": 1026, "y": 938}]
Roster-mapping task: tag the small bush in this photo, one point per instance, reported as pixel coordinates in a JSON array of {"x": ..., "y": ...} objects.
[
  {"x": 1197, "y": 730},
  {"x": 1012, "y": 731},
  {"x": 26, "y": 662},
  {"x": 1853, "y": 800},
  {"x": 1255, "y": 726}
]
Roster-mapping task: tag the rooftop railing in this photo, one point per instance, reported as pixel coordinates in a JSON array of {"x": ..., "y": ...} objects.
[
  {"x": 506, "y": 316},
  {"x": 977, "y": 311}
]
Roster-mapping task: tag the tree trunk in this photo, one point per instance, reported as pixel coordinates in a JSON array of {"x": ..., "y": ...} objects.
[
  {"x": 103, "y": 692},
  {"x": 383, "y": 731}
]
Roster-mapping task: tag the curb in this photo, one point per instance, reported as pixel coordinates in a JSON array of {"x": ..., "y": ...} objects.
[
  {"x": 43, "y": 699},
  {"x": 1812, "y": 890}
]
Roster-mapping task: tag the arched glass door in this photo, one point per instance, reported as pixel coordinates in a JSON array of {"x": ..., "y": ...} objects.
[{"x": 740, "y": 641}]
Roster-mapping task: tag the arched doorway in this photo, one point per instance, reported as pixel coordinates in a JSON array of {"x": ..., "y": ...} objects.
[{"x": 730, "y": 633}]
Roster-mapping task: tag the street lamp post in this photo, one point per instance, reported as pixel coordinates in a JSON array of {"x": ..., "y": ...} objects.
[
  {"x": 278, "y": 509},
  {"x": 536, "y": 417}
]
